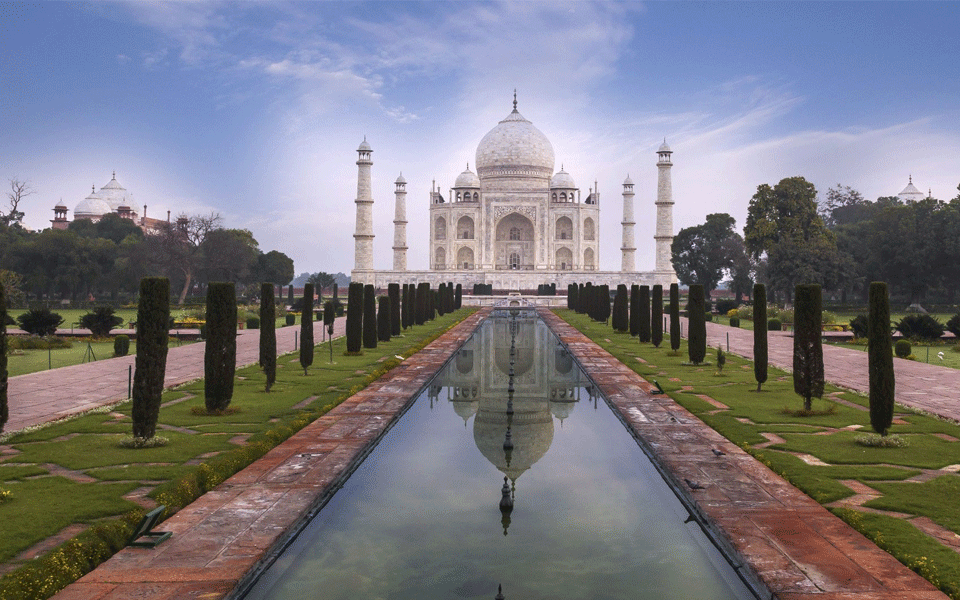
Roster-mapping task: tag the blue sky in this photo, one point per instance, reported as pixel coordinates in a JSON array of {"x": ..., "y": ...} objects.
[{"x": 255, "y": 109}]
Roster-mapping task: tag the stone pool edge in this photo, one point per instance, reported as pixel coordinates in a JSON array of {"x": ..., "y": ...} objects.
[
  {"x": 224, "y": 536},
  {"x": 793, "y": 545}
]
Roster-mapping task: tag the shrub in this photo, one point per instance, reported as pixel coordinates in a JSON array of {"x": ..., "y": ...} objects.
[
  {"x": 733, "y": 312},
  {"x": 726, "y": 305},
  {"x": 36, "y": 343},
  {"x": 441, "y": 296},
  {"x": 880, "y": 360},
  {"x": 39, "y": 321},
  {"x": 774, "y": 325},
  {"x": 674, "y": 317},
  {"x": 121, "y": 345},
  {"x": 808, "y": 376},
  {"x": 746, "y": 312},
  {"x": 859, "y": 325},
  {"x": 828, "y": 318},
  {"x": 383, "y": 319},
  {"x": 902, "y": 349},
  {"x": 786, "y": 316},
  {"x": 920, "y": 327},
  {"x": 644, "y": 333},
  {"x": 635, "y": 309},
  {"x": 354, "y": 318},
  {"x": 290, "y": 319},
  {"x": 268, "y": 335},
  {"x": 697, "y": 333},
  {"x": 734, "y": 322},
  {"x": 253, "y": 322},
  {"x": 100, "y": 321},
  {"x": 656, "y": 316},
  {"x": 621, "y": 318},
  {"x": 306, "y": 329},
  {"x": 393, "y": 291},
  {"x": 953, "y": 325},
  {"x": 369, "y": 316},
  {"x": 153, "y": 314},
  {"x": 220, "y": 354},
  {"x": 458, "y": 297},
  {"x": 708, "y": 316},
  {"x": 760, "y": 350}
]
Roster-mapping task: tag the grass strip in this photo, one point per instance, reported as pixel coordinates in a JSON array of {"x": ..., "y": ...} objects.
[
  {"x": 94, "y": 472},
  {"x": 933, "y": 444}
]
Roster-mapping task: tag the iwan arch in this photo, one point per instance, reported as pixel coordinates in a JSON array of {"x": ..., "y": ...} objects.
[{"x": 515, "y": 223}]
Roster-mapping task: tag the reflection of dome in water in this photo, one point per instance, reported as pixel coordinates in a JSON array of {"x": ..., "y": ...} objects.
[
  {"x": 465, "y": 409},
  {"x": 531, "y": 431},
  {"x": 562, "y": 410},
  {"x": 465, "y": 361},
  {"x": 563, "y": 361},
  {"x": 523, "y": 360}
]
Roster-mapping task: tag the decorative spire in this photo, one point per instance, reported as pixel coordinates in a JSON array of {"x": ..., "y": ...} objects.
[
  {"x": 514, "y": 99},
  {"x": 911, "y": 178},
  {"x": 114, "y": 174},
  {"x": 499, "y": 593}
]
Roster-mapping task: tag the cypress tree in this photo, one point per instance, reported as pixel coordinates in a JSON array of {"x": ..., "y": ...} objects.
[
  {"x": 621, "y": 320},
  {"x": 268, "y": 334},
  {"x": 807, "y": 347},
  {"x": 405, "y": 307},
  {"x": 369, "y": 316},
  {"x": 644, "y": 333},
  {"x": 290, "y": 295},
  {"x": 4, "y": 408},
  {"x": 153, "y": 321},
  {"x": 634, "y": 310},
  {"x": 383, "y": 319},
  {"x": 329, "y": 316},
  {"x": 442, "y": 296},
  {"x": 393, "y": 291},
  {"x": 760, "y": 356},
  {"x": 604, "y": 303},
  {"x": 656, "y": 316},
  {"x": 674, "y": 317},
  {"x": 306, "y": 328},
  {"x": 458, "y": 297},
  {"x": 697, "y": 324},
  {"x": 587, "y": 300},
  {"x": 423, "y": 289},
  {"x": 880, "y": 359},
  {"x": 220, "y": 355},
  {"x": 354, "y": 318}
]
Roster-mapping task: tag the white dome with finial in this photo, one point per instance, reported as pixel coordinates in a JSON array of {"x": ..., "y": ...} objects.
[
  {"x": 563, "y": 180},
  {"x": 364, "y": 146},
  {"x": 91, "y": 207},
  {"x": 400, "y": 179},
  {"x": 467, "y": 179},
  {"x": 514, "y": 148},
  {"x": 664, "y": 147},
  {"x": 628, "y": 181},
  {"x": 910, "y": 193},
  {"x": 115, "y": 194}
]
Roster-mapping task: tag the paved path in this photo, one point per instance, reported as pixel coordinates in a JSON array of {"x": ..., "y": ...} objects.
[
  {"x": 928, "y": 387},
  {"x": 49, "y": 395}
]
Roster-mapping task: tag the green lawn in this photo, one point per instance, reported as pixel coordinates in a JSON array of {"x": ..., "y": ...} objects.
[
  {"x": 41, "y": 504},
  {"x": 933, "y": 444}
]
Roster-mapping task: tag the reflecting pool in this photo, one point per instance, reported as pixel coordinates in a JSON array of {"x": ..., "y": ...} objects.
[{"x": 421, "y": 517}]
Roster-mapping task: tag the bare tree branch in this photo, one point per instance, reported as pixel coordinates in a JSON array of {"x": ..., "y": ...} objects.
[{"x": 19, "y": 189}]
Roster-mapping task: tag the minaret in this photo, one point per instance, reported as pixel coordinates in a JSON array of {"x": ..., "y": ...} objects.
[
  {"x": 628, "y": 248},
  {"x": 363, "y": 238},
  {"x": 664, "y": 234},
  {"x": 400, "y": 226}
]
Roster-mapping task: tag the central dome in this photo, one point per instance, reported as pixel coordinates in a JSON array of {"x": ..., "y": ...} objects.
[{"x": 515, "y": 148}]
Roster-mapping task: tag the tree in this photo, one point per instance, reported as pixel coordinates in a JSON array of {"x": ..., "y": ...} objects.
[
  {"x": 880, "y": 359},
  {"x": 423, "y": 290},
  {"x": 177, "y": 246},
  {"x": 741, "y": 268},
  {"x": 322, "y": 281},
  {"x": 4, "y": 409},
  {"x": 220, "y": 354},
  {"x": 674, "y": 317},
  {"x": 275, "y": 267},
  {"x": 441, "y": 297},
  {"x": 760, "y": 349},
  {"x": 268, "y": 333},
  {"x": 383, "y": 319},
  {"x": 808, "y": 378},
  {"x": 644, "y": 332},
  {"x": 13, "y": 285},
  {"x": 153, "y": 320},
  {"x": 656, "y": 316},
  {"x": 393, "y": 291},
  {"x": 621, "y": 318},
  {"x": 306, "y": 328},
  {"x": 354, "y": 318},
  {"x": 369, "y": 316},
  {"x": 696, "y": 325},
  {"x": 230, "y": 255},
  {"x": 458, "y": 297},
  {"x": 634, "y": 310},
  {"x": 40, "y": 321},
  {"x": 703, "y": 253},
  {"x": 19, "y": 189},
  {"x": 405, "y": 306},
  {"x": 783, "y": 225},
  {"x": 100, "y": 321}
]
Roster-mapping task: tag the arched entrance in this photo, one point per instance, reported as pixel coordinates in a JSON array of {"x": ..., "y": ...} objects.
[{"x": 514, "y": 243}]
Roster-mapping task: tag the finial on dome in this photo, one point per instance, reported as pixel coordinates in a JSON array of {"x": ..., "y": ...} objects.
[
  {"x": 93, "y": 188},
  {"x": 114, "y": 174},
  {"x": 514, "y": 98}
]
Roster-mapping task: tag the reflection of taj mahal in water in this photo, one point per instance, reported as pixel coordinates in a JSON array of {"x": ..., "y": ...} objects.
[{"x": 547, "y": 384}]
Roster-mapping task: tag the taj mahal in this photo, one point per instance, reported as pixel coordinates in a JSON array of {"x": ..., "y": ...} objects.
[{"x": 515, "y": 223}]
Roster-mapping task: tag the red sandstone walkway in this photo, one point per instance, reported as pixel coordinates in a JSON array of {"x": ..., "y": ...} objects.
[
  {"x": 49, "y": 395},
  {"x": 928, "y": 387}
]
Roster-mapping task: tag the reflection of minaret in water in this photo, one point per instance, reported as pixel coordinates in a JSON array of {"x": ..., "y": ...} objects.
[
  {"x": 506, "y": 505},
  {"x": 499, "y": 593}
]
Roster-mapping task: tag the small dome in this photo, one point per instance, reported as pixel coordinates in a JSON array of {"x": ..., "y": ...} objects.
[
  {"x": 910, "y": 193},
  {"x": 628, "y": 181},
  {"x": 467, "y": 179},
  {"x": 364, "y": 146},
  {"x": 400, "y": 179},
  {"x": 91, "y": 206},
  {"x": 61, "y": 204},
  {"x": 563, "y": 180},
  {"x": 664, "y": 147}
]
